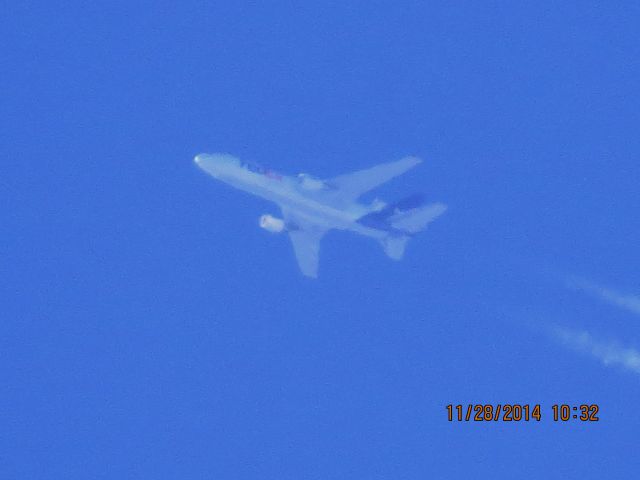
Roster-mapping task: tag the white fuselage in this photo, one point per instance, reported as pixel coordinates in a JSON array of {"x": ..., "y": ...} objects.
[{"x": 312, "y": 205}]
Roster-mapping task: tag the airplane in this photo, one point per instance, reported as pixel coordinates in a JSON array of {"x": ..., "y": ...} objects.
[{"x": 310, "y": 206}]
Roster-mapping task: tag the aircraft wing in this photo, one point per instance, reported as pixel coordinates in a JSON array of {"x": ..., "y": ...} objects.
[
  {"x": 351, "y": 185},
  {"x": 305, "y": 238}
]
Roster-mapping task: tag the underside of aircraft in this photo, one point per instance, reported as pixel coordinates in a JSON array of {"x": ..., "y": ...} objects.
[{"x": 310, "y": 206}]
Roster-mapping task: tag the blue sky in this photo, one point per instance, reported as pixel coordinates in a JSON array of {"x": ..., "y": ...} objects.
[{"x": 150, "y": 329}]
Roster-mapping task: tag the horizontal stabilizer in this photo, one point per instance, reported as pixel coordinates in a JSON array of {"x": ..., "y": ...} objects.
[{"x": 415, "y": 220}]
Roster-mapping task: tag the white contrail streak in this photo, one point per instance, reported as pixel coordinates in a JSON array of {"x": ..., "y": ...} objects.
[
  {"x": 628, "y": 302},
  {"x": 608, "y": 352}
]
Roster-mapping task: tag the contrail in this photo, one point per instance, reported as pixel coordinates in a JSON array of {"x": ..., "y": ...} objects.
[
  {"x": 628, "y": 302},
  {"x": 608, "y": 352}
]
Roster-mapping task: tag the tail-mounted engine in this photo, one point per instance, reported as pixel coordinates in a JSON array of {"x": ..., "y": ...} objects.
[
  {"x": 272, "y": 224},
  {"x": 377, "y": 205}
]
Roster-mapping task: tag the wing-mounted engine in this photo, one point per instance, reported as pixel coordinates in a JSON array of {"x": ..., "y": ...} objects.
[
  {"x": 308, "y": 182},
  {"x": 272, "y": 224},
  {"x": 377, "y": 205}
]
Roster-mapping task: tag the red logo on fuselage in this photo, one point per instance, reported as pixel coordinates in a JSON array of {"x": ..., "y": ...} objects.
[{"x": 274, "y": 175}]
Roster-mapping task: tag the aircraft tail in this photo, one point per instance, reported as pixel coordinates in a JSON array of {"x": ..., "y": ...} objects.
[
  {"x": 406, "y": 223},
  {"x": 417, "y": 219}
]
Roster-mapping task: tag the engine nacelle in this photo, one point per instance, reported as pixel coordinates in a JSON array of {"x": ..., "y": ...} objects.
[
  {"x": 271, "y": 224},
  {"x": 377, "y": 205},
  {"x": 311, "y": 183}
]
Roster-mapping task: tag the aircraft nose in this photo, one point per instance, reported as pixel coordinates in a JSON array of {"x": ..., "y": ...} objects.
[{"x": 199, "y": 158}]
